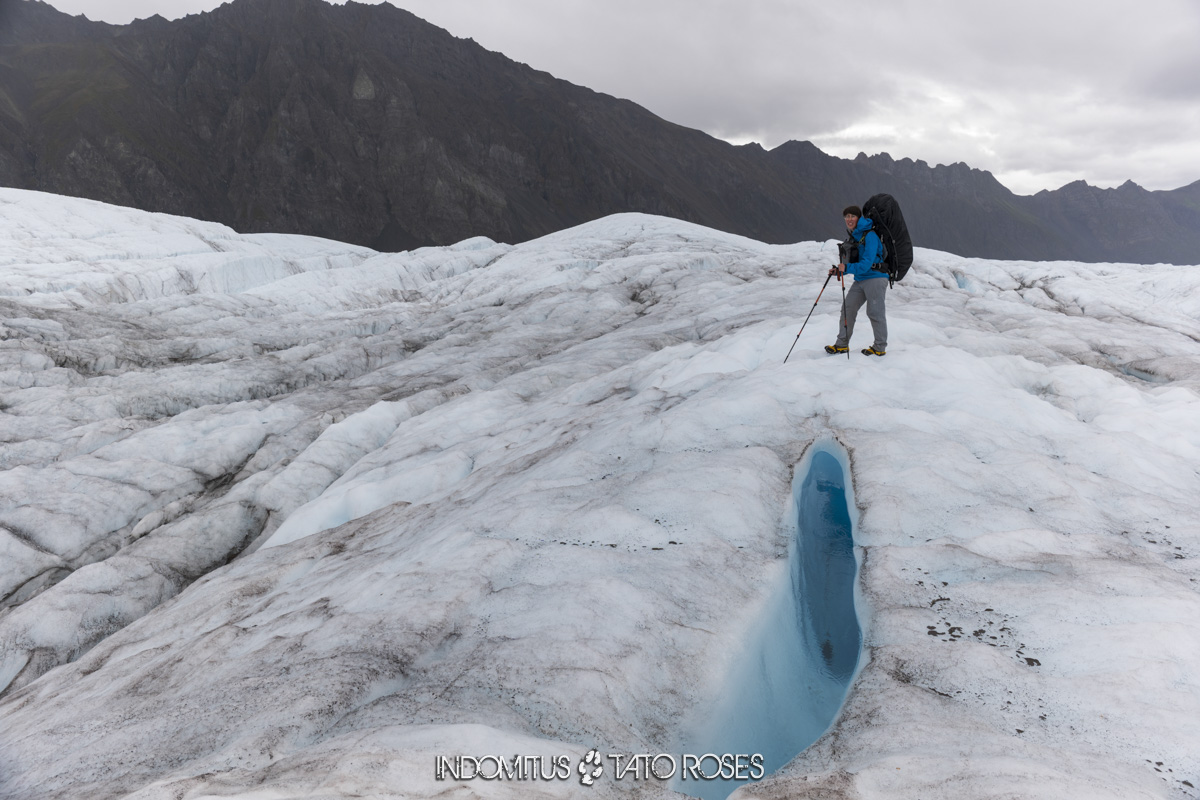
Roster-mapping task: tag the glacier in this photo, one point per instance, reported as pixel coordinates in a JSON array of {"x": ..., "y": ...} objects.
[{"x": 283, "y": 517}]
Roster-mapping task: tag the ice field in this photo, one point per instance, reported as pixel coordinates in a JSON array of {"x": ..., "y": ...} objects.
[{"x": 282, "y": 517}]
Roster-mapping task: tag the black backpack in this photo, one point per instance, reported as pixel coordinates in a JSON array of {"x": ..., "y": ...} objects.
[{"x": 884, "y": 212}]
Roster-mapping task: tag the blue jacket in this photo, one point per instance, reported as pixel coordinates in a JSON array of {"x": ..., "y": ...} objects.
[{"x": 868, "y": 252}]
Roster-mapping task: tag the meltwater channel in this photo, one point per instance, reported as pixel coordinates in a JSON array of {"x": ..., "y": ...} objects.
[{"x": 787, "y": 688}]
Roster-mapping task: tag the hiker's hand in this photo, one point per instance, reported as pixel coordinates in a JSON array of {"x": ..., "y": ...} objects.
[{"x": 837, "y": 269}]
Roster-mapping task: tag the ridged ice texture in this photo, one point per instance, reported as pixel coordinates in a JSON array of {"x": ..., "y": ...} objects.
[{"x": 537, "y": 498}]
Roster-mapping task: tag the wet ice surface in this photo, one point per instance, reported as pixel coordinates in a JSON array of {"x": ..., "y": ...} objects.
[{"x": 533, "y": 500}]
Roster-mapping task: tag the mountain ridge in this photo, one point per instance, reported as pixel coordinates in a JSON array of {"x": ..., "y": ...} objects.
[{"x": 368, "y": 125}]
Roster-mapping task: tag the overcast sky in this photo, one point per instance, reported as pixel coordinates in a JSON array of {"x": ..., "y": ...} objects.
[{"x": 1038, "y": 92}]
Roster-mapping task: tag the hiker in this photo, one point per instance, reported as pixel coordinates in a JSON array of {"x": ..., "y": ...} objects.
[{"x": 861, "y": 256}]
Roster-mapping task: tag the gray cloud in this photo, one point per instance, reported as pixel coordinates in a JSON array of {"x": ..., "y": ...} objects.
[
  {"x": 1040, "y": 92},
  {"x": 121, "y": 12}
]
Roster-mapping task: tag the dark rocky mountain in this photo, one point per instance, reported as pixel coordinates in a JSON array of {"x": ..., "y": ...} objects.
[{"x": 366, "y": 124}]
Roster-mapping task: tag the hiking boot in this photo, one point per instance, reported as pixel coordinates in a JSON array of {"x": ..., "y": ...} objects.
[
  {"x": 834, "y": 349},
  {"x": 873, "y": 351}
]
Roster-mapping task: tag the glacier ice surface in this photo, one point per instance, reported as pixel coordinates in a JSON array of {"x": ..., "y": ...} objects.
[{"x": 531, "y": 499}]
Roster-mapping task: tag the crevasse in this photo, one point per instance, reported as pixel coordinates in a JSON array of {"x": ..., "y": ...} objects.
[{"x": 786, "y": 688}]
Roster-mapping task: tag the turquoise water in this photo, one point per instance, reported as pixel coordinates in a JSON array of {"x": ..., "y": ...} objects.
[
  {"x": 825, "y": 585},
  {"x": 787, "y": 688}
]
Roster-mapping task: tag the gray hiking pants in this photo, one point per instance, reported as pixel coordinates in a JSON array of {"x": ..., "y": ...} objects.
[{"x": 871, "y": 291}]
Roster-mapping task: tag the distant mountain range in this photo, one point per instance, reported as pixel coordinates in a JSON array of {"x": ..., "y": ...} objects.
[{"x": 366, "y": 124}]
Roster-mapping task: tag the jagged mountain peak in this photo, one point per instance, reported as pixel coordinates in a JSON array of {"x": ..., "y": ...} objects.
[{"x": 364, "y": 123}]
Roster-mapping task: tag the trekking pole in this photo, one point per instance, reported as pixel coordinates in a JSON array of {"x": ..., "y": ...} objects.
[
  {"x": 810, "y": 312},
  {"x": 845, "y": 319}
]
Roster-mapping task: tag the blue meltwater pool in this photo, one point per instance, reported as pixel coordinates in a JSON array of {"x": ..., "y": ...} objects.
[{"x": 786, "y": 688}]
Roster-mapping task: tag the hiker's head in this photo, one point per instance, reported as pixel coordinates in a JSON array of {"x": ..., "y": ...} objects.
[{"x": 851, "y": 215}]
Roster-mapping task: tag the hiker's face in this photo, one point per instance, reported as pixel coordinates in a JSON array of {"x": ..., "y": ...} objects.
[{"x": 851, "y": 222}]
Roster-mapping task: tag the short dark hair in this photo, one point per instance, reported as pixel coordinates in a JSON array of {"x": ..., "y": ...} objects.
[{"x": 855, "y": 210}]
